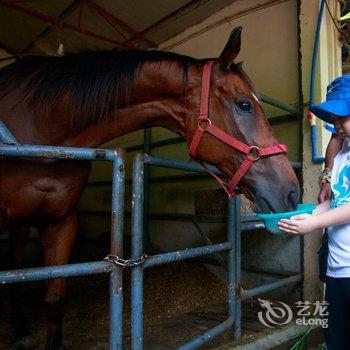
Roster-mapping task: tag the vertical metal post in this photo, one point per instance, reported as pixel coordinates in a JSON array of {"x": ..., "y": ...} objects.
[
  {"x": 147, "y": 139},
  {"x": 231, "y": 269},
  {"x": 116, "y": 276},
  {"x": 136, "y": 253},
  {"x": 238, "y": 267}
]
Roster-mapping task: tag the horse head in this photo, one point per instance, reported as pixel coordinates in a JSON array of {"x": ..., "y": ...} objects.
[{"x": 230, "y": 130}]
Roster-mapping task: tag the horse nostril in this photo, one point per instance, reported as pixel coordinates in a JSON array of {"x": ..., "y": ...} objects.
[{"x": 292, "y": 200}]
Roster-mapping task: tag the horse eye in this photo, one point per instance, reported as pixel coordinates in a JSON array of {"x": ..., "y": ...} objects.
[{"x": 245, "y": 106}]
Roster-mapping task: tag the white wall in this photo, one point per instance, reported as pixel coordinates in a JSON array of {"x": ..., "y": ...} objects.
[{"x": 269, "y": 43}]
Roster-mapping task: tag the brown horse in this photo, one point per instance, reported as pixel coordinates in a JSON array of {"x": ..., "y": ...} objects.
[{"x": 85, "y": 99}]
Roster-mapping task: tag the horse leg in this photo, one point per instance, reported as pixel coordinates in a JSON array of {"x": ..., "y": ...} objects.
[
  {"x": 57, "y": 240},
  {"x": 18, "y": 237}
]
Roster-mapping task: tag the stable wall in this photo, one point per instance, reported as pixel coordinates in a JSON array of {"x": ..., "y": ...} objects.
[
  {"x": 269, "y": 52},
  {"x": 328, "y": 68}
]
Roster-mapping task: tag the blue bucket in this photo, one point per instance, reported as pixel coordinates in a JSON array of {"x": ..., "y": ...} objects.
[{"x": 271, "y": 220}]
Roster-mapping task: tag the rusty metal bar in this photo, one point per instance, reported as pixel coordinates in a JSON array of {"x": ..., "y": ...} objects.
[
  {"x": 49, "y": 28},
  {"x": 52, "y": 272},
  {"x": 106, "y": 14},
  {"x": 80, "y": 13},
  {"x": 8, "y": 50},
  {"x": 107, "y": 19},
  {"x": 7, "y": 58},
  {"x": 167, "y": 19},
  {"x": 55, "y": 21},
  {"x": 250, "y": 293},
  {"x": 21, "y": 1}
]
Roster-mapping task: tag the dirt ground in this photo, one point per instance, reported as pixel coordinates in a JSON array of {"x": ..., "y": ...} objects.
[{"x": 181, "y": 301}]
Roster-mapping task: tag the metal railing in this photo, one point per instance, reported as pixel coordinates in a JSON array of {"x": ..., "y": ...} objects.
[
  {"x": 138, "y": 262},
  {"x": 232, "y": 245},
  {"x": 117, "y": 223},
  {"x": 114, "y": 262}
]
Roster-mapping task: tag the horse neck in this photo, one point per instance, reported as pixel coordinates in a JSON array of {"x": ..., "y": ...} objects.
[{"x": 157, "y": 100}]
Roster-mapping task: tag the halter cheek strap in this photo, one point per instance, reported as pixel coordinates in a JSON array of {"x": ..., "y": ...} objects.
[{"x": 253, "y": 153}]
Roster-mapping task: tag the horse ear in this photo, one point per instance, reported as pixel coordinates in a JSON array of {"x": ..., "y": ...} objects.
[{"x": 231, "y": 49}]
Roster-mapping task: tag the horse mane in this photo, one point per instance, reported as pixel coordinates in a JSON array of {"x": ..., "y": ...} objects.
[{"x": 92, "y": 80}]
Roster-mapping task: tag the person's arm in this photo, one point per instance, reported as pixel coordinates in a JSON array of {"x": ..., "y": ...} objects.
[
  {"x": 333, "y": 147},
  {"x": 333, "y": 217},
  {"x": 322, "y": 207},
  {"x": 306, "y": 223}
]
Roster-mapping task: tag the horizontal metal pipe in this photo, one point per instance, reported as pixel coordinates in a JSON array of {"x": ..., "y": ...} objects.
[
  {"x": 187, "y": 218},
  {"x": 183, "y": 177},
  {"x": 296, "y": 165},
  {"x": 166, "y": 142},
  {"x": 44, "y": 273},
  {"x": 208, "y": 335},
  {"x": 179, "y": 255},
  {"x": 268, "y": 271},
  {"x": 55, "y": 152},
  {"x": 246, "y": 294},
  {"x": 213, "y": 219},
  {"x": 250, "y": 218},
  {"x": 283, "y": 118},
  {"x": 249, "y": 226},
  {"x": 178, "y": 164},
  {"x": 273, "y": 102},
  {"x": 189, "y": 166},
  {"x": 176, "y": 140},
  {"x": 171, "y": 178},
  {"x": 248, "y": 268},
  {"x": 159, "y": 179}
]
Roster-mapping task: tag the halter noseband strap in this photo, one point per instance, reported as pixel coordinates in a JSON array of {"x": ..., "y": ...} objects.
[{"x": 253, "y": 153}]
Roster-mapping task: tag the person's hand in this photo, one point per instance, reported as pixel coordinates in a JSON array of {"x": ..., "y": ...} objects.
[
  {"x": 325, "y": 192},
  {"x": 299, "y": 224}
]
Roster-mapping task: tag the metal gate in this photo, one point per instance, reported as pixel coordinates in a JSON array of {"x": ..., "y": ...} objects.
[{"x": 114, "y": 262}]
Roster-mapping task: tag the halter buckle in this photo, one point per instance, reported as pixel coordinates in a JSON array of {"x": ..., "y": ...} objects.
[
  {"x": 254, "y": 149},
  {"x": 204, "y": 123}
]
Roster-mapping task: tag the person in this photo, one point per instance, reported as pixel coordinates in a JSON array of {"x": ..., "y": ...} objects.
[
  {"x": 333, "y": 147},
  {"x": 334, "y": 214}
]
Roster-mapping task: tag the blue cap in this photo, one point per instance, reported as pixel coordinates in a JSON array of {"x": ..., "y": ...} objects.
[{"x": 337, "y": 101}]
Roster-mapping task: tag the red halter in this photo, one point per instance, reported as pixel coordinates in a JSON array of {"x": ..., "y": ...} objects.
[{"x": 253, "y": 153}]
